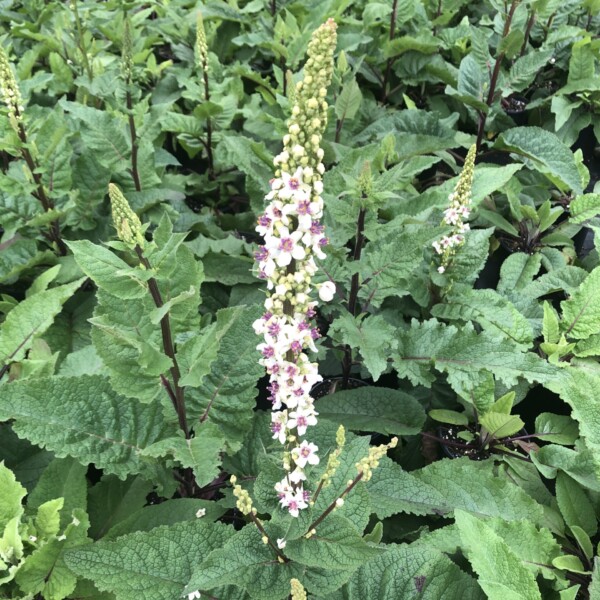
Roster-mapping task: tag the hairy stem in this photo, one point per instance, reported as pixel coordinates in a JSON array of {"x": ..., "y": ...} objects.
[
  {"x": 495, "y": 73},
  {"x": 354, "y": 289},
  {"x": 391, "y": 60},
  {"x": 81, "y": 42},
  {"x": 134, "y": 142},
  {"x": 332, "y": 506},
  {"x": 260, "y": 528},
  {"x": 209, "y": 152},
  {"x": 175, "y": 391},
  {"x": 528, "y": 28},
  {"x": 40, "y": 193}
]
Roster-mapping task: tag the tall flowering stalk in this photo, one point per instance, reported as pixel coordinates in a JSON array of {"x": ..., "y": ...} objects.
[
  {"x": 293, "y": 236},
  {"x": 456, "y": 213}
]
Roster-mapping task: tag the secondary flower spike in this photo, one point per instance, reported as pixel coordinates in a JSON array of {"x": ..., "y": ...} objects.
[
  {"x": 293, "y": 238},
  {"x": 9, "y": 91},
  {"x": 458, "y": 210},
  {"x": 127, "y": 223}
]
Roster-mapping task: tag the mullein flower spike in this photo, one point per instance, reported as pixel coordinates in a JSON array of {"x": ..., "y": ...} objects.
[
  {"x": 201, "y": 45},
  {"x": 294, "y": 237},
  {"x": 458, "y": 210},
  {"x": 9, "y": 92},
  {"x": 126, "y": 222},
  {"x": 127, "y": 53}
]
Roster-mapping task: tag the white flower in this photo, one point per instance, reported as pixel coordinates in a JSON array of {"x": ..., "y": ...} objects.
[
  {"x": 441, "y": 269},
  {"x": 305, "y": 454},
  {"x": 200, "y": 513},
  {"x": 286, "y": 247},
  {"x": 302, "y": 418},
  {"x": 294, "y": 186},
  {"x": 281, "y": 543},
  {"x": 327, "y": 291},
  {"x": 194, "y": 595},
  {"x": 279, "y": 425},
  {"x": 339, "y": 502}
]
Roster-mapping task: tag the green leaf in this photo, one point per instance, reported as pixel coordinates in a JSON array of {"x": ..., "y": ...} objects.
[
  {"x": 544, "y": 152},
  {"x": 471, "y": 257},
  {"x": 45, "y": 572},
  {"x": 348, "y": 101},
  {"x": 387, "y": 264},
  {"x": 569, "y": 563},
  {"x": 11, "y": 495},
  {"x": 63, "y": 478},
  {"x": 168, "y": 512},
  {"x": 447, "y": 485},
  {"x": 574, "y": 504},
  {"x": 30, "y": 319},
  {"x": 581, "y": 312},
  {"x": 25, "y": 460},
  {"x": 410, "y": 571},
  {"x": 200, "y": 453},
  {"x": 226, "y": 396},
  {"x": 148, "y": 565},
  {"x": 518, "y": 271},
  {"x": 465, "y": 355},
  {"x": 112, "y": 500},
  {"x": 84, "y": 418},
  {"x": 525, "y": 69},
  {"x": 581, "y": 64},
  {"x": 584, "y": 208},
  {"x": 581, "y": 390},
  {"x": 563, "y": 429},
  {"x": 371, "y": 334},
  {"x": 47, "y": 520},
  {"x": 449, "y": 416},
  {"x": 335, "y": 545},
  {"x": 550, "y": 326},
  {"x": 381, "y": 410},
  {"x": 580, "y": 465},
  {"x": 108, "y": 271},
  {"x": 501, "y": 574},
  {"x": 472, "y": 82},
  {"x": 488, "y": 308},
  {"x": 501, "y": 426},
  {"x": 228, "y": 270}
]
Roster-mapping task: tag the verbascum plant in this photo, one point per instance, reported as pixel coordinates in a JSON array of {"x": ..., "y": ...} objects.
[
  {"x": 457, "y": 212},
  {"x": 9, "y": 91},
  {"x": 294, "y": 237}
]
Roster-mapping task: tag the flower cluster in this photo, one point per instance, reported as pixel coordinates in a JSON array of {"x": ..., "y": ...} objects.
[
  {"x": 201, "y": 45},
  {"x": 9, "y": 91},
  {"x": 457, "y": 212},
  {"x": 128, "y": 225},
  {"x": 294, "y": 237}
]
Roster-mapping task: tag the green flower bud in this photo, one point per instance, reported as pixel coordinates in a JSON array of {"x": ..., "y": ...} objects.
[
  {"x": 201, "y": 45},
  {"x": 297, "y": 590},
  {"x": 126, "y": 222},
  {"x": 127, "y": 53},
  {"x": 9, "y": 91}
]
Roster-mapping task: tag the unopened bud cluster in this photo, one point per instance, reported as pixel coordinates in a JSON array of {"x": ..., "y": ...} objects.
[
  {"x": 294, "y": 237},
  {"x": 371, "y": 461},
  {"x": 297, "y": 590},
  {"x": 9, "y": 91},
  {"x": 244, "y": 502},
  {"x": 459, "y": 209},
  {"x": 127, "y": 53},
  {"x": 127, "y": 223},
  {"x": 201, "y": 45},
  {"x": 334, "y": 458}
]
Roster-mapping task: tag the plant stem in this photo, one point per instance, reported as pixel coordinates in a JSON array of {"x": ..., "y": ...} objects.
[
  {"x": 391, "y": 60},
  {"x": 209, "y": 152},
  {"x": 528, "y": 28},
  {"x": 332, "y": 506},
  {"x": 354, "y": 289},
  {"x": 176, "y": 392},
  {"x": 134, "y": 142},
  {"x": 81, "y": 43},
  {"x": 260, "y": 528},
  {"x": 437, "y": 15},
  {"x": 40, "y": 193},
  {"x": 495, "y": 73}
]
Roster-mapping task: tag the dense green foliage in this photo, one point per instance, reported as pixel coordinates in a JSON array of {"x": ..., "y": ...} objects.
[{"x": 130, "y": 387}]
